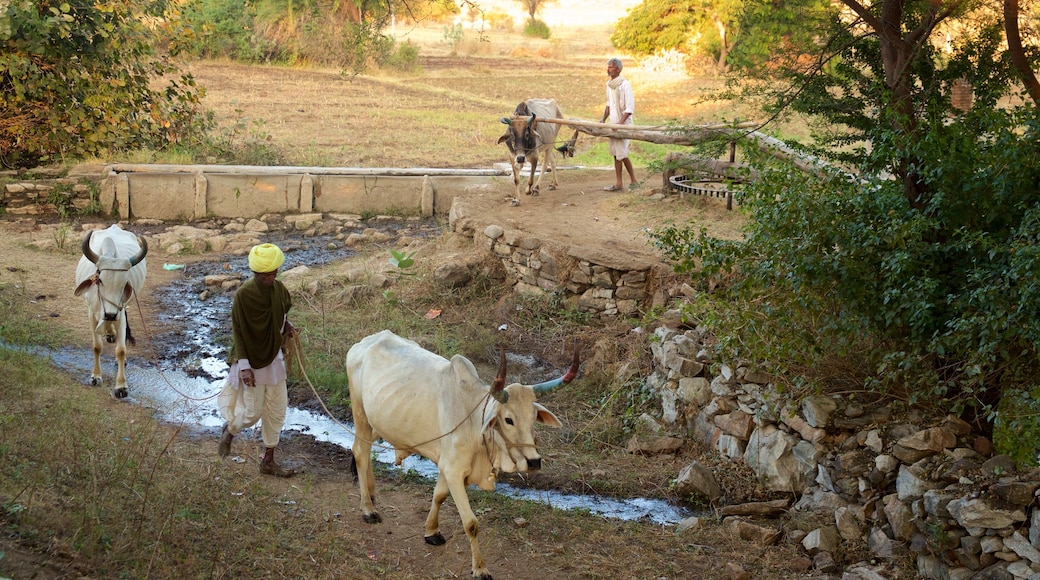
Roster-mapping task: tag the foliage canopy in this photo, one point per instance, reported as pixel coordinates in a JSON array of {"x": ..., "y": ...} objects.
[
  {"x": 77, "y": 79},
  {"x": 744, "y": 34},
  {"x": 350, "y": 35},
  {"x": 916, "y": 251}
]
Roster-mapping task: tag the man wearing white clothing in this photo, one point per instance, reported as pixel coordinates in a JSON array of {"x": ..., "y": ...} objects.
[{"x": 621, "y": 105}]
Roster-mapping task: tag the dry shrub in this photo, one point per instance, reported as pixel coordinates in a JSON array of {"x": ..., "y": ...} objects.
[
  {"x": 476, "y": 47},
  {"x": 557, "y": 49},
  {"x": 521, "y": 52},
  {"x": 499, "y": 20}
]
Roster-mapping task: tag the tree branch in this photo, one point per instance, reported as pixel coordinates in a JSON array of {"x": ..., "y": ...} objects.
[
  {"x": 862, "y": 11},
  {"x": 1018, "y": 54}
]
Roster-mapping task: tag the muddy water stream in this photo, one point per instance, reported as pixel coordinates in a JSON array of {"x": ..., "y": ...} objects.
[{"x": 182, "y": 385}]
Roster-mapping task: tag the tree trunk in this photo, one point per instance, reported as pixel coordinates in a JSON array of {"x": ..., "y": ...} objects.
[{"x": 1018, "y": 54}]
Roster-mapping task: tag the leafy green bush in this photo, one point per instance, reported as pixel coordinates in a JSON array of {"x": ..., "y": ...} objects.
[
  {"x": 913, "y": 255},
  {"x": 243, "y": 142},
  {"x": 655, "y": 25},
  {"x": 755, "y": 31},
  {"x": 536, "y": 29},
  {"x": 944, "y": 304},
  {"x": 403, "y": 57},
  {"x": 77, "y": 80},
  {"x": 453, "y": 35},
  {"x": 224, "y": 29}
]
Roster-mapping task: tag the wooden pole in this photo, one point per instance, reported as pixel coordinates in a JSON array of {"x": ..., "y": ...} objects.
[
  {"x": 694, "y": 134},
  {"x": 595, "y": 125}
]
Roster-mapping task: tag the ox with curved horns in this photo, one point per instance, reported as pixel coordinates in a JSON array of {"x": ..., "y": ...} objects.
[
  {"x": 527, "y": 140},
  {"x": 422, "y": 403},
  {"x": 110, "y": 271}
]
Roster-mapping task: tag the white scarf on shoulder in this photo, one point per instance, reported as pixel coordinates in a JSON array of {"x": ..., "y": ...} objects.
[{"x": 614, "y": 85}]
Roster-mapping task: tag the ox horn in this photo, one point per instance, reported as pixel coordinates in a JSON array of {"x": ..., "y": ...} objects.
[
  {"x": 498, "y": 387},
  {"x": 542, "y": 388},
  {"x": 140, "y": 255},
  {"x": 90, "y": 254},
  {"x": 505, "y": 120}
]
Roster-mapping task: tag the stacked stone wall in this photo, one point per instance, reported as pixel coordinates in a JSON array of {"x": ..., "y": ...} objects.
[
  {"x": 47, "y": 194},
  {"x": 603, "y": 283},
  {"x": 890, "y": 480}
]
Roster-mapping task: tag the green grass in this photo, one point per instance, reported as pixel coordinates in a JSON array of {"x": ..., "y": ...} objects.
[{"x": 18, "y": 329}]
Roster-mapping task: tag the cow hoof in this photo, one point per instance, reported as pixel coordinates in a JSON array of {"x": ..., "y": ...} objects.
[
  {"x": 95, "y": 381},
  {"x": 120, "y": 393},
  {"x": 552, "y": 187},
  {"x": 435, "y": 540},
  {"x": 372, "y": 518},
  {"x": 484, "y": 576}
]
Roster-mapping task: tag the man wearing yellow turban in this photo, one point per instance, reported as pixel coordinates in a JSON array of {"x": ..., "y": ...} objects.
[{"x": 255, "y": 389}]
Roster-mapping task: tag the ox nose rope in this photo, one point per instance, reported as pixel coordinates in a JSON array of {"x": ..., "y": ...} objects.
[{"x": 102, "y": 299}]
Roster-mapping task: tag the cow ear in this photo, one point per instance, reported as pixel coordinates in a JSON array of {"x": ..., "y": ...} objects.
[
  {"x": 505, "y": 120},
  {"x": 503, "y": 138},
  {"x": 545, "y": 416},
  {"x": 84, "y": 286},
  {"x": 465, "y": 372}
]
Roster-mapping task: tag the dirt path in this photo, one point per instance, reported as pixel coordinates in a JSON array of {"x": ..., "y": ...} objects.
[{"x": 580, "y": 212}]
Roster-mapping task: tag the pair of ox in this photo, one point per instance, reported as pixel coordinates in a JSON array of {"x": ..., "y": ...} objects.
[
  {"x": 529, "y": 138},
  {"x": 111, "y": 271},
  {"x": 422, "y": 403}
]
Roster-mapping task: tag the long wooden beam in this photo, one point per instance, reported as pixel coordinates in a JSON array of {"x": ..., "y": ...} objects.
[
  {"x": 594, "y": 125},
  {"x": 694, "y": 134}
]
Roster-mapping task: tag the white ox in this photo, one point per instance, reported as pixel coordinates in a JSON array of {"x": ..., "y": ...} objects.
[
  {"x": 422, "y": 403},
  {"x": 110, "y": 271},
  {"x": 528, "y": 139}
]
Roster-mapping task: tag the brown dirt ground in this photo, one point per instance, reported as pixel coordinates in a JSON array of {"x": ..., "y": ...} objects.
[
  {"x": 581, "y": 213},
  {"x": 578, "y": 213}
]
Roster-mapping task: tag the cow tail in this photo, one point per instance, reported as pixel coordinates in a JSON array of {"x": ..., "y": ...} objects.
[{"x": 353, "y": 467}]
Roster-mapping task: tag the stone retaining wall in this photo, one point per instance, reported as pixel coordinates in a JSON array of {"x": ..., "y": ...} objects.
[
  {"x": 893, "y": 482},
  {"x": 604, "y": 283}
]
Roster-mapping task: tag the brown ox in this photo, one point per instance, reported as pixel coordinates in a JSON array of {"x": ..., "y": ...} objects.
[{"x": 422, "y": 403}]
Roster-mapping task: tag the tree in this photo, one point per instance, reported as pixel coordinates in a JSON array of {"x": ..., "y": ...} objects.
[
  {"x": 1018, "y": 53},
  {"x": 916, "y": 254},
  {"x": 354, "y": 35},
  {"x": 533, "y": 6},
  {"x": 83, "y": 79},
  {"x": 742, "y": 33}
]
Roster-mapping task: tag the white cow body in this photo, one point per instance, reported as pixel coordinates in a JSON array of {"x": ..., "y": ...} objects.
[
  {"x": 422, "y": 403},
  {"x": 111, "y": 270},
  {"x": 528, "y": 140}
]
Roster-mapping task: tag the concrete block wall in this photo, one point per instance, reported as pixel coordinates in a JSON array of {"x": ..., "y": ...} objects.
[{"x": 186, "y": 192}]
